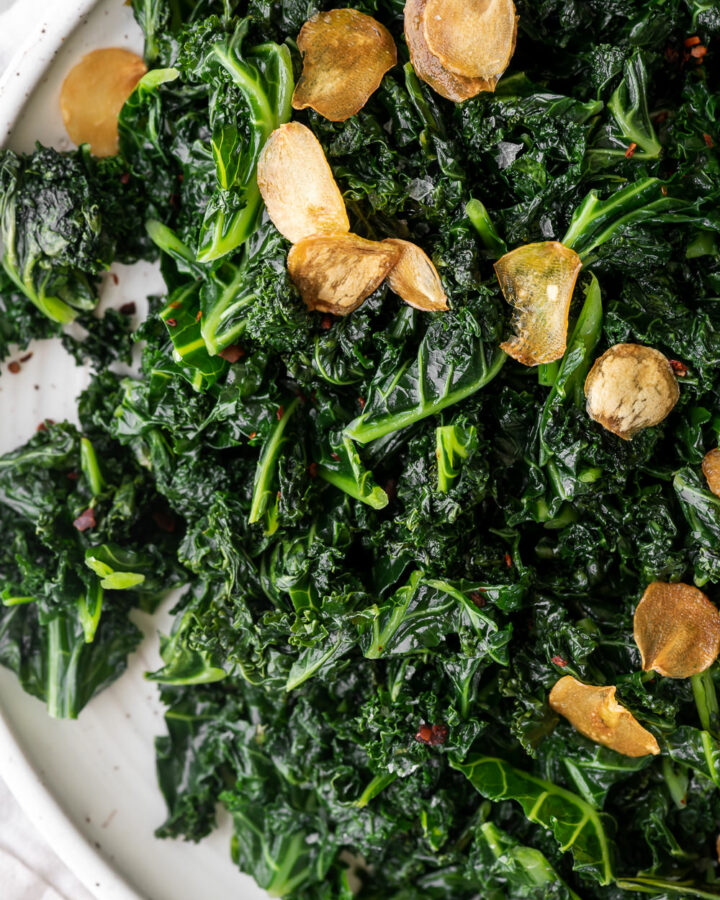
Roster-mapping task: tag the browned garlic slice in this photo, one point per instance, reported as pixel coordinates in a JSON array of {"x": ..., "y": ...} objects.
[
  {"x": 94, "y": 92},
  {"x": 298, "y": 186},
  {"x": 711, "y": 470},
  {"x": 538, "y": 281},
  {"x": 595, "y": 712},
  {"x": 430, "y": 69},
  {"x": 335, "y": 273},
  {"x": 629, "y": 388},
  {"x": 415, "y": 278},
  {"x": 345, "y": 56},
  {"x": 472, "y": 38},
  {"x": 677, "y": 630}
]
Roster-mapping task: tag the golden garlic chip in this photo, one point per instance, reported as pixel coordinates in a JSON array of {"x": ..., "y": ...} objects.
[
  {"x": 335, "y": 273},
  {"x": 298, "y": 186},
  {"x": 94, "y": 92},
  {"x": 415, "y": 278},
  {"x": 630, "y": 387},
  {"x": 472, "y": 38},
  {"x": 345, "y": 56},
  {"x": 429, "y": 68},
  {"x": 711, "y": 470},
  {"x": 595, "y": 712},
  {"x": 677, "y": 630},
  {"x": 538, "y": 281}
]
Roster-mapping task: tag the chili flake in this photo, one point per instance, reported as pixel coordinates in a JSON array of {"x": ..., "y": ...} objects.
[
  {"x": 361, "y": 401},
  {"x": 14, "y": 367},
  {"x": 326, "y": 322},
  {"x": 679, "y": 368},
  {"x": 630, "y": 152},
  {"x": 171, "y": 322},
  {"x": 477, "y": 598},
  {"x": 708, "y": 140},
  {"x": 559, "y": 661},
  {"x": 508, "y": 560},
  {"x": 85, "y": 520},
  {"x": 128, "y": 309},
  {"x": 280, "y": 412},
  {"x": 692, "y": 41},
  {"x": 313, "y": 470},
  {"x": 232, "y": 353},
  {"x": 24, "y": 359}
]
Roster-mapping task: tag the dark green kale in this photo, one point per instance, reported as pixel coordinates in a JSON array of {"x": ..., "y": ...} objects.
[{"x": 396, "y": 540}]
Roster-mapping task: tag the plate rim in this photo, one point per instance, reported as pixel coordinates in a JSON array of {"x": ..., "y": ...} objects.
[{"x": 17, "y": 83}]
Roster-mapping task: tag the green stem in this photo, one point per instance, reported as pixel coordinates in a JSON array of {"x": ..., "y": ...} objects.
[
  {"x": 267, "y": 464},
  {"x": 378, "y": 784},
  {"x": 706, "y": 701}
]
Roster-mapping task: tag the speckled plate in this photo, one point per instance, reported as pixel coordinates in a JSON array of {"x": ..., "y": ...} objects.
[{"x": 89, "y": 786}]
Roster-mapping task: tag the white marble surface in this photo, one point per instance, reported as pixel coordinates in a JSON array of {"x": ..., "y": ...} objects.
[{"x": 29, "y": 868}]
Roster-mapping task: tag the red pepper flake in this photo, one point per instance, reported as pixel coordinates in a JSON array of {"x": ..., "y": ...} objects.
[
  {"x": 128, "y": 309},
  {"x": 361, "y": 401},
  {"x": 559, "y": 661},
  {"x": 14, "y": 367},
  {"x": 41, "y": 427},
  {"x": 73, "y": 476},
  {"x": 433, "y": 735},
  {"x": 164, "y": 520},
  {"x": 313, "y": 470},
  {"x": 279, "y": 495},
  {"x": 85, "y": 520},
  {"x": 24, "y": 359},
  {"x": 326, "y": 322},
  {"x": 439, "y": 735},
  {"x": 698, "y": 52},
  {"x": 125, "y": 178},
  {"x": 477, "y": 597},
  {"x": 708, "y": 140},
  {"x": 251, "y": 436},
  {"x": 671, "y": 54},
  {"x": 181, "y": 178},
  {"x": 171, "y": 322},
  {"x": 508, "y": 560},
  {"x": 679, "y": 368},
  {"x": 692, "y": 41},
  {"x": 280, "y": 412},
  {"x": 630, "y": 152},
  {"x": 114, "y": 277},
  {"x": 175, "y": 304},
  {"x": 664, "y": 190},
  {"x": 198, "y": 316},
  {"x": 232, "y": 353},
  {"x": 334, "y": 456}
]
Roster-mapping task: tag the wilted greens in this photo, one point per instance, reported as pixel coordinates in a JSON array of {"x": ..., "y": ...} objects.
[{"x": 393, "y": 540}]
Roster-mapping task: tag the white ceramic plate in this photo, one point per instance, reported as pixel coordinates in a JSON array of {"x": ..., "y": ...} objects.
[{"x": 89, "y": 786}]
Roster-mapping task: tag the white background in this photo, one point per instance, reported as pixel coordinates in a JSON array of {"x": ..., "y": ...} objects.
[{"x": 29, "y": 869}]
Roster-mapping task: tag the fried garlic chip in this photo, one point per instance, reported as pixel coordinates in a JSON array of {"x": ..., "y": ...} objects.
[
  {"x": 677, "y": 630},
  {"x": 345, "y": 56},
  {"x": 595, "y": 712},
  {"x": 429, "y": 68},
  {"x": 335, "y": 273},
  {"x": 297, "y": 185},
  {"x": 415, "y": 278},
  {"x": 472, "y": 38},
  {"x": 711, "y": 470},
  {"x": 538, "y": 281},
  {"x": 94, "y": 92},
  {"x": 630, "y": 387}
]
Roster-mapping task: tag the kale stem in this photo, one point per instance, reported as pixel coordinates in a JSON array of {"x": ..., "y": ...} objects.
[{"x": 706, "y": 701}]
